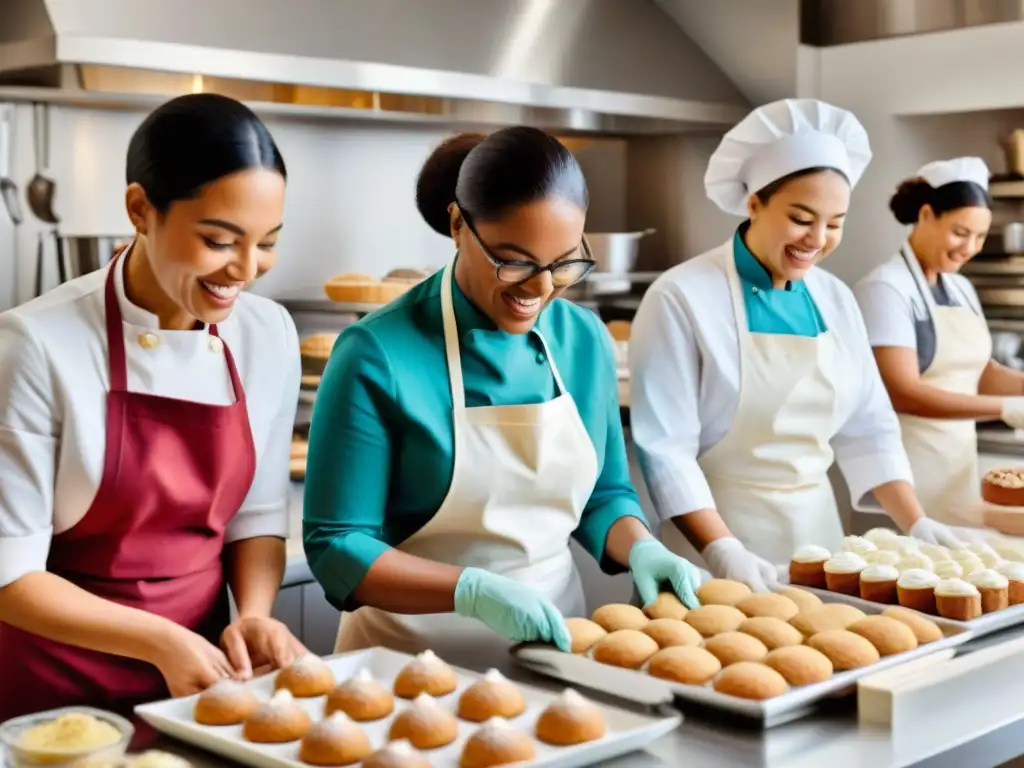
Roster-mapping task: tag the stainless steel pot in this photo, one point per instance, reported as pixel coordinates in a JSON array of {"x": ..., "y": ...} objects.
[
  {"x": 616, "y": 252},
  {"x": 85, "y": 254},
  {"x": 1013, "y": 237}
]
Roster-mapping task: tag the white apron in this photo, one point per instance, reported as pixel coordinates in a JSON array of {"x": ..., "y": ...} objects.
[
  {"x": 943, "y": 453},
  {"x": 769, "y": 473},
  {"x": 521, "y": 478}
]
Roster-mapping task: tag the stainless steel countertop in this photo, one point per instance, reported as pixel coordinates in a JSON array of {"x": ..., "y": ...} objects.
[{"x": 832, "y": 739}]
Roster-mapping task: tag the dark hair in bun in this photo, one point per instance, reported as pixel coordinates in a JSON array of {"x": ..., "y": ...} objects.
[
  {"x": 488, "y": 175},
  {"x": 913, "y": 194}
]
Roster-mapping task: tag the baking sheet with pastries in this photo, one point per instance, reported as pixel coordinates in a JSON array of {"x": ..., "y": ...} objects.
[
  {"x": 742, "y": 666},
  {"x": 626, "y": 730}
]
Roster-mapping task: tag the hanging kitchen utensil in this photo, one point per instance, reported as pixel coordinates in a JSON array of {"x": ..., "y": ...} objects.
[
  {"x": 8, "y": 189},
  {"x": 41, "y": 189},
  {"x": 39, "y": 265}
]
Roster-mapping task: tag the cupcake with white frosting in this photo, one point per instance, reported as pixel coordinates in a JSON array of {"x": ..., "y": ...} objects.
[
  {"x": 994, "y": 589},
  {"x": 914, "y": 561},
  {"x": 935, "y": 552},
  {"x": 858, "y": 545},
  {"x": 878, "y": 535},
  {"x": 878, "y": 584},
  {"x": 957, "y": 599},
  {"x": 949, "y": 569},
  {"x": 881, "y": 557},
  {"x": 842, "y": 573},
  {"x": 807, "y": 566},
  {"x": 915, "y": 589},
  {"x": 1014, "y": 573},
  {"x": 986, "y": 554}
]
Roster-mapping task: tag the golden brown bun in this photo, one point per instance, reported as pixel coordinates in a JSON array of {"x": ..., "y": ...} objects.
[
  {"x": 804, "y": 600},
  {"x": 318, "y": 345},
  {"x": 844, "y": 649},
  {"x": 626, "y": 648},
  {"x": 671, "y": 632},
  {"x": 362, "y": 698},
  {"x": 768, "y": 604},
  {"x": 618, "y": 616},
  {"x": 774, "y": 633},
  {"x": 722, "y": 592},
  {"x": 570, "y": 719},
  {"x": 334, "y": 741},
  {"x": 750, "y": 680},
  {"x": 307, "y": 677},
  {"x": 584, "y": 633},
  {"x": 226, "y": 702},
  {"x": 425, "y": 674},
  {"x": 826, "y": 617},
  {"x": 924, "y": 629},
  {"x": 396, "y": 754},
  {"x": 497, "y": 744},
  {"x": 887, "y": 634},
  {"x": 425, "y": 724},
  {"x": 733, "y": 647},
  {"x": 711, "y": 620},
  {"x": 800, "y": 664},
  {"x": 688, "y": 665},
  {"x": 279, "y": 721},
  {"x": 665, "y": 606},
  {"x": 491, "y": 696}
]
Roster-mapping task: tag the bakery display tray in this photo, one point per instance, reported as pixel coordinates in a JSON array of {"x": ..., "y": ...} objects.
[
  {"x": 638, "y": 686},
  {"x": 627, "y": 731},
  {"x": 986, "y": 624}
]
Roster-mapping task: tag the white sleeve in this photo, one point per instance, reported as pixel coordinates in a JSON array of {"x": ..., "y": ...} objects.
[
  {"x": 664, "y": 363},
  {"x": 887, "y": 314},
  {"x": 265, "y": 509},
  {"x": 868, "y": 447},
  {"x": 29, "y": 439}
]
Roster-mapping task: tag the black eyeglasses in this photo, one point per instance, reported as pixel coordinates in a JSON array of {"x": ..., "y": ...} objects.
[{"x": 563, "y": 273}]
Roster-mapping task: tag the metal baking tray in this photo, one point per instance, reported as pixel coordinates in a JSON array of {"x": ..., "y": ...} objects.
[
  {"x": 986, "y": 624},
  {"x": 627, "y": 731},
  {"x": 639, "y": 687}
]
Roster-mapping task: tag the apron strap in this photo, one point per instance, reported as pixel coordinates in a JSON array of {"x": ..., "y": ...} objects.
[{"x": 451, "y": 340}]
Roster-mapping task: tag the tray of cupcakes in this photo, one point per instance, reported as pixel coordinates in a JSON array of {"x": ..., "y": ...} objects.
[
  {"x": 771, "y": 658},
  {"x": 383, "y": 709},
  {"x": 977, "y": 587}
]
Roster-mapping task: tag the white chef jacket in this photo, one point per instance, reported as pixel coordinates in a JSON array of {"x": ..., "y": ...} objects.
[
  {"x": 53, "y": 385},
  {"x": 685, "y": 379},
  {"x": 893, "y": 305}
]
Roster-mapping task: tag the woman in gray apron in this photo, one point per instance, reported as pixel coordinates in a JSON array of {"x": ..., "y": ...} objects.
[{"x": 465, "y": 432}]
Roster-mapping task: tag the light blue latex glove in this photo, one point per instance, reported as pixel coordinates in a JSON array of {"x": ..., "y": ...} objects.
[
  {"x": 652, "y": 564},
  {"x": 511, "y": 609}
]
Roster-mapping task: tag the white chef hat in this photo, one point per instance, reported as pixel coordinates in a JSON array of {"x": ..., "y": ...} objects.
[
  {"x": 943, "y": 172},
  {"x": 782, "y": 138}
]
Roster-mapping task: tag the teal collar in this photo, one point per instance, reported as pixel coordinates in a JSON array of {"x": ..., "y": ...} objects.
[
  {"x": 752, "y": 271},
  {"x": 472, "y": 321}
]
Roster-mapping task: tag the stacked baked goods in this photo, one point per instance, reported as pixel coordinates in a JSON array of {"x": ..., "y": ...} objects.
[
  {"x": 359, "y": 288},
  {"x": 753, "y": 646},
  {"x": 885, "y": 567},
  {"x": 315, "y": 351},
  {"x": 420, "y": 711},
  {"x": 1004, "y": 487},
  {"x": 297, "y": 460}
]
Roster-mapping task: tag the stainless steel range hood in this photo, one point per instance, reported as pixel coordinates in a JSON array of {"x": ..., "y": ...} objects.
[{"x": 591, "y": 65}]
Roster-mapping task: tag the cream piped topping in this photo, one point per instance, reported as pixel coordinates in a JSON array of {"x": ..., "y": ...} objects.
[
  {"x": 494, "y": 676},
  {"x": 811, "y": 553},
  {"x": 1012, "y": 570},
  {"x": 425, "y": 701},
  {"x": 309, "y": 663},
  {"x": 429, "y": 659},
  {"x": 845, "y": 562},
  {"x": 570, "y": 698},
  {"x": 858, "y": 544},
  {"x": 964, "y": 555},
  {"x": 336, "y": 722},
  {"x": 879, "y": 572},
  {"x": 878, "y": 535},
  {"x": 881, "y": 557},
  {"x": 917, "y": 578},
  {"x": 988, "y": 579},
  {"x": 949, "y": 569},
  {"x": 955, "y": 588},
  {"x": 401, "y": 748},
  {"x": 915, "y": 561},
  {"x": 281, "y": 698},
  {"x": 936, "y": 552}
]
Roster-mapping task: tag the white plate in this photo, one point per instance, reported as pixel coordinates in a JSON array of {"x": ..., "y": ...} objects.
[
  {"x": 638, "y": 686},
  {"x": 627, "y": 731}
]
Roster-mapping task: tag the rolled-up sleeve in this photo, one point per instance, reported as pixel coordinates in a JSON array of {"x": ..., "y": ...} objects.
[
  {"x": 348, "y": 468},
  {"x": 868, "y": 446},
  {"x": 614, "y": 496},
  {"x": 29, "y": 440},
  {"x": 265, "y": 509},
  {"x": 664, "y": 365}
]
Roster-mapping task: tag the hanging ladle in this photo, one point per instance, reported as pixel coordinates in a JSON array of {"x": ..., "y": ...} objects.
[{"x": 41, "y": 186}]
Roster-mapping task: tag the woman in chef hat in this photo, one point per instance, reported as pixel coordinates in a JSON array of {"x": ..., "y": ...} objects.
[
  {"x": 466, "y": 432},
  {"x": 931, "y": 340},
  {"x": 751, "y": 368}
]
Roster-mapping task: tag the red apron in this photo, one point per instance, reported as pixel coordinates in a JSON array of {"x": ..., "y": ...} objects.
[{"x": 175, "y": 473}]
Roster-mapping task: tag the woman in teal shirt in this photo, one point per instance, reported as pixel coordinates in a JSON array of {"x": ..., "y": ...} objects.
[{"x": 464, "y": 432}]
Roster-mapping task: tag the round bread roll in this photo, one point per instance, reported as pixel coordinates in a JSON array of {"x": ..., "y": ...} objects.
[
  {"x": 826, "y": 617},
  {"x": 887, "y": 634},
  {"x": 711, "y": 620},
  {"x": 307, "y": 677},
  {"x": 750, "y": 680},
  {"x": 497, "y": 743},
  {"x": 734, "y": 647},
  {"x": 671, "y": 632},
  {"x": 279, "y": 721},
  {"x": 804, "y": 600},
  {"x": 924, "y": 629},
  {"x": 627, "y": 648},
  {"x": 774, "y": 633},
  {"x": 361, "y": 697},
  {"x": 722, "y": 592},
  {"x": 844, "y": 649},
  {"x": 425, "y": 674},
  {"x": 665, "y": 606},
  {"x": 800, "y": 664},
  {"x": 493, "y": 695},
  {"x": 396, "y": 754},
  {"x": 584, "y": 633},
  {"x": 688, "y": 665},
  {"x": 768, "y": 604},
  {"x": 226, "y": 702},
  {"x": 334, "y": 741},
  {"x": 425, "y": 724},
  {"x": 618, "y": 616},
  {"x": 569, "y": 720}
]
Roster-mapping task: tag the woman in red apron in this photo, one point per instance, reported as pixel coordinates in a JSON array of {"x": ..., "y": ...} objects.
[{"x": 145, "y": 425}]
